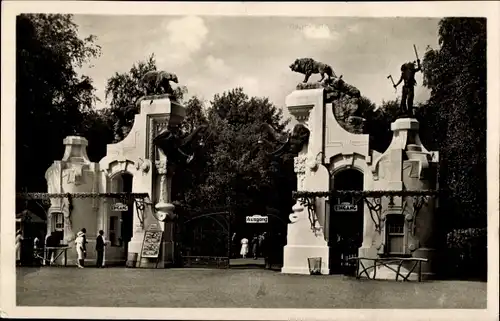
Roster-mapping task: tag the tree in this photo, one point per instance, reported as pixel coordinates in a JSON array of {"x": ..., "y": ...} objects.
[
  {"x": 124, "y": 89},
  {"x": 456, "y": 75},
  {"x": 195, "y": 115},
  {"x": 236, "y": 171},
  {"x": 51, "y": 96},
  {"x": 187, "y": 179}
]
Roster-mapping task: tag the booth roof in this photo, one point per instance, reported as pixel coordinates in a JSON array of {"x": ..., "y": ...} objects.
[{"x": 28, "y": 217}]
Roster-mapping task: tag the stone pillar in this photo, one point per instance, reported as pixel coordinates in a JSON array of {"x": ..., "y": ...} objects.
[
  {"x": 406, "y": 165},
  {"x": 165, "y": 210},
  {"x": 305, "y": 239},
  {"x": 159, "y": 115}
]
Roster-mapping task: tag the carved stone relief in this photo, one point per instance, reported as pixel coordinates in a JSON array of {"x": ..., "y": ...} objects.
[{"x": 300, "y": 169}]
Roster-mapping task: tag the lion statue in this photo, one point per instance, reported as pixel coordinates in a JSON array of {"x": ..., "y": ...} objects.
[
  {"x": 309, "y": 66},
  {"x": 156, "y": 82}
]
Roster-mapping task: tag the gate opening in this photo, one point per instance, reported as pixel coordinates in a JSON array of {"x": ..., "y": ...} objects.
[
  {"x": 121, "y": 223},
  {"x": 346, "y": 221}
]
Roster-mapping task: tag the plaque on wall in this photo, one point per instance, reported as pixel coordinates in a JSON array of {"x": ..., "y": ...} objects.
[
  {"x": 257, "y": 219},
  {"x": 345, "y": 207},
  {"x": 119, "y": 207}
]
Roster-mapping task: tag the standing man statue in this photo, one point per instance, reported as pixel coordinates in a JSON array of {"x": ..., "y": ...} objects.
[{"x": 408, "y": 72}]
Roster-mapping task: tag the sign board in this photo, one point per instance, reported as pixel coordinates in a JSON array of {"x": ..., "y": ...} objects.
[
  {"x": 345, "y": 207},
  {"x": 119, "y": 207},
  {"x": 151, "y": 244},
  {"x": 257, "y": 219}
]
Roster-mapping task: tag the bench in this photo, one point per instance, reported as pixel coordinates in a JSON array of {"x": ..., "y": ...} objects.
[
  {"x": 42, "y": 254},
  {"x": 385, "y": 261},
  {"x": 220, "y": 261}
]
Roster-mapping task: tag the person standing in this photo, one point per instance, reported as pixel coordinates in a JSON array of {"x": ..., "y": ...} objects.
[
  {"x": 79, "y": 245},
  {"x": 104, "y": 252},
  {"x": 99, "y": 248},
  {"x": 244, "y": 247},
  {"x": 262, "y": 239},
  {"x": 36, "y": 250},
  {"x": 49, "y": 245},
  {"x": 84, "y": 231},
  {"x": 255, "y": 246},
  {"x": 19, "y": 241}
]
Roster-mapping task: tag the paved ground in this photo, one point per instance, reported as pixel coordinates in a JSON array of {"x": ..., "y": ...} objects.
[
  {"x": 250, "y": 262},
  {"x": 251, "y": 288}
]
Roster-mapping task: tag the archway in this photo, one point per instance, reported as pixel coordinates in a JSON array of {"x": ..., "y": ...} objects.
[
  {"x": 346, "y": 220},
  {"x": 120, "y": 223}
]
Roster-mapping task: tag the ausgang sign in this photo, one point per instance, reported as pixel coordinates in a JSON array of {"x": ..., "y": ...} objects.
[
  {"x": 257, "y": 219},
  {"x": 119, "y": 207},
  {"x": 345, "y": 207}
]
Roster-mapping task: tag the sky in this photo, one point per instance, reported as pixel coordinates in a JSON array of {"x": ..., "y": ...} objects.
[{"x": 213, "y": 54}]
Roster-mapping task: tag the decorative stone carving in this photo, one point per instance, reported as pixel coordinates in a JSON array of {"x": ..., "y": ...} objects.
[
  {"x": 75, "y": 174},
  {"x": 161, "y": 166},
  {"x": 314, "y": 161},
  {"x": 143, "y": 165},
  {"x": 297, "y": 208},
  {"x": 300, "y": 169},
  {"x": 69, "y": 235}
]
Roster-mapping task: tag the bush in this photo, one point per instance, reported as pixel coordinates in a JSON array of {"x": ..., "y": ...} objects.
[{"x": 466, "y": 253}]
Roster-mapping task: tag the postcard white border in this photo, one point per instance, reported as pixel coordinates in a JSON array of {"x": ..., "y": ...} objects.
[{"x": 10, "y": 9}]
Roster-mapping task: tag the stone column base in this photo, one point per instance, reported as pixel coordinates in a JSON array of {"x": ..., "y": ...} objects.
[
  {"x": 134, "y": 249},
  {"x": 165, "y": 259},
  {"x": 295, "y": 258}
]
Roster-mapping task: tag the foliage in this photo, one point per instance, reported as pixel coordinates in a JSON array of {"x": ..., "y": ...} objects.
[
  {"x": 51, "y": 97},
  {"x": 186, "y": 183},
  {"x": 466, "y": 253},
  {"x": 365, "y": 194},
  {"x": 456, "y": 75},
  {"x": 195, "y": 115},
  {"x": 346, "y": 109},
  {"x": 124, "y": 89},
  {"x": 97, "y": 128},
  {"x": 236, "y": 172},
  {"x": 378, "y": 124}
]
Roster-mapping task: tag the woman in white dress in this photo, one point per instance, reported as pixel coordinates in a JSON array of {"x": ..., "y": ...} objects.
[
  {"x": 79, "y": 245},
  {"x": 19, "y": 239},
  {"x": 244, "y": 247}
]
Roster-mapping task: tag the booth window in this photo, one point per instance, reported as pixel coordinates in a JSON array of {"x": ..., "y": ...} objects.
[
  {"x": 395, "y": 234},
  {"x": 59, "y": 222},
  {"x": 113, "y": 225}
]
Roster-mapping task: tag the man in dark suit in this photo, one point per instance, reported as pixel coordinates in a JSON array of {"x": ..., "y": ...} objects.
[{"x": 99, "y": 248}]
